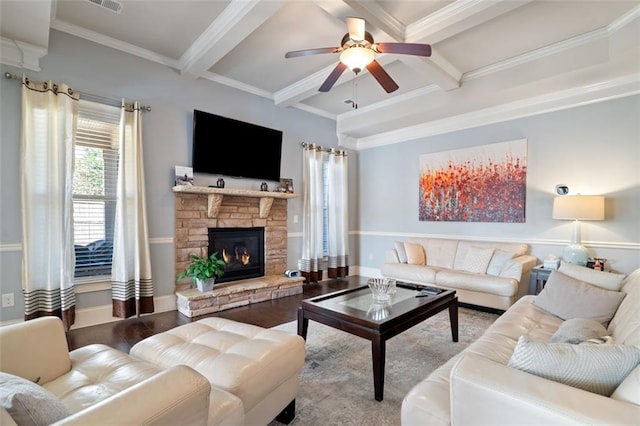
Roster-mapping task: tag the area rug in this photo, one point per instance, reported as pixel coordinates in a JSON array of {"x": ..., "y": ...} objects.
[{"x": 336, "y": 383}]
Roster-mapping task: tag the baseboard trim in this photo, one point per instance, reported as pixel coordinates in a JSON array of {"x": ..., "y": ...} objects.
[{"x": 103, "y": 314}]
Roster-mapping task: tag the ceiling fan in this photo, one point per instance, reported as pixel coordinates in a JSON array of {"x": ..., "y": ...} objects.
[{"x": 357, "y": 51}]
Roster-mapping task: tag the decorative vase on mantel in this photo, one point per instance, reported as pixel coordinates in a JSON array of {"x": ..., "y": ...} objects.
[{"x": 206, "y": 285}]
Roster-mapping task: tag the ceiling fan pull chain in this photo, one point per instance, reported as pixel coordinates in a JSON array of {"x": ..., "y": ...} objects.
[{"x": 355, "y": 92}]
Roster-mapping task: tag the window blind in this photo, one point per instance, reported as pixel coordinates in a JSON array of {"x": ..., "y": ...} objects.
[{"x": 95, "y": 178}]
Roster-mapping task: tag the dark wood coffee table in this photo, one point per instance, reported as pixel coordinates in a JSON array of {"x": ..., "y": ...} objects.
[{"x": 353, "y": 311}]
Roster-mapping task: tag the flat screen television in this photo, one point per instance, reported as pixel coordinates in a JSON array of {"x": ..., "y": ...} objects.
[{"x": 224, "y": 146}]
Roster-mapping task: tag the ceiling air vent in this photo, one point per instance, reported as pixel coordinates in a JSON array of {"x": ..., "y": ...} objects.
[{"x": 111, "y": 5}]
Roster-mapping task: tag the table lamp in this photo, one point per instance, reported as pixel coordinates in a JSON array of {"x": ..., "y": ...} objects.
[{"x": 577, "y": 208}]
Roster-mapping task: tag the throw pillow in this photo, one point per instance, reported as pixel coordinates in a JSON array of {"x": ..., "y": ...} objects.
[
  {"x": 567, "y": 298},
  {"x": 477, "y": 260},
  {"x": 606, "y": 280},
  {"x": 629, "y": 389},
  {"x": 498, "y": 260},
  {"x": 28, "y": 403},
  {"x": 415, "y": 254},
  {"x": 595, "y": 368},
  {"x": 576, "y": 330},
  {"x": 401, "y": 252}
]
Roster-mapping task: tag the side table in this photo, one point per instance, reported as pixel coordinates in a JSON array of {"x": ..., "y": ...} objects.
[{"x": 539, "y": 276}]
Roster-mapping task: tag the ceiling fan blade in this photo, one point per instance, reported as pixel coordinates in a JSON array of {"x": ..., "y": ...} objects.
[
  {"x": 333, "y": 77},
  {"x": 307, "y": 52},
  {"x": 381, "y": 75},
  {"x": 355, "y": 26},
  {"x": 404, "y": 48}
]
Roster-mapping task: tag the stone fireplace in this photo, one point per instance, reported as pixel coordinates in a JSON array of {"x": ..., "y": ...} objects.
[{"x": 244, "y": 223}]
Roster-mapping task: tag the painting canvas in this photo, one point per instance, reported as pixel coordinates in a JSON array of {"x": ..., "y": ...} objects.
[{"x": 479, "y": 184}]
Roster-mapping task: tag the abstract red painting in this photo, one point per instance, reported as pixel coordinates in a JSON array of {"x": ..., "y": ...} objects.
[{"x": 479, "y": 184}]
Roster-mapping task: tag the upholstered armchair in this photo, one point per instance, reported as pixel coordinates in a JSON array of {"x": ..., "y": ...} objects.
[{"x": 41, "y": 382}]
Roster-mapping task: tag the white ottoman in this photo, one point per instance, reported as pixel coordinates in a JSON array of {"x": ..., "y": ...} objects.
[{"x": 259, "y": 366}]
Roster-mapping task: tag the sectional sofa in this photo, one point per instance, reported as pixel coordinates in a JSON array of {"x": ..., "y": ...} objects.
[{"x": 570, "y": 355}]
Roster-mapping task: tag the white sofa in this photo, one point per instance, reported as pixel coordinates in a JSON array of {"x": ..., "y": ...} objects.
[
  {"x": 489, "y": 274},
  {"x": 480, "y": 386},
  {"x": 96, "y": 384}
]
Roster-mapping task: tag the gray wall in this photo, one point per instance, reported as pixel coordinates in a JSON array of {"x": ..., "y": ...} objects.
[{"x": 594, "y": 149}]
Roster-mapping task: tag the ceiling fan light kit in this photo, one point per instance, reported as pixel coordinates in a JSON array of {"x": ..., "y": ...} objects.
[
  {"x": 357, "y": 58},
  {"x": 358, "y": 51}
]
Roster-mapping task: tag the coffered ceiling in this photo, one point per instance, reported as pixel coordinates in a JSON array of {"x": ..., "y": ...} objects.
[{"x": 491, "y": 60}]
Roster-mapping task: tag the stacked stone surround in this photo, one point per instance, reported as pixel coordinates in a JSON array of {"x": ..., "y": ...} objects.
[{"x": 199, "y": 208}]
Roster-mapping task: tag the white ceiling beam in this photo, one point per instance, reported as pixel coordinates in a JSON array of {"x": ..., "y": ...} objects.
[
  {"x": 375, "y": 15},
  {"x": 569, "y": 97},
  {"x": 457, "y": 17},
  {"x": 302, "y": 89},
  {"x": 448, "y": 22},
  {"x": 337, "y": 8},
  {"x": 238, "y": 20}
]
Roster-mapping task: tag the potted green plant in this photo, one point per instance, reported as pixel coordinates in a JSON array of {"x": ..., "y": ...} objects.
[{"x": 204, "y": 271}]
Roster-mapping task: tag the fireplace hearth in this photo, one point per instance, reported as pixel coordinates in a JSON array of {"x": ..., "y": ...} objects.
[{"x": 242, "y": 249}]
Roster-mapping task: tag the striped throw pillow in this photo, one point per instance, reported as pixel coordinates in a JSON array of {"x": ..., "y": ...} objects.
[{"x": 595, "y": 368}]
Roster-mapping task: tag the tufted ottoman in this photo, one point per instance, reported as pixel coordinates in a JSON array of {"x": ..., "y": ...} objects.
[{"x": 260, "y": 366}]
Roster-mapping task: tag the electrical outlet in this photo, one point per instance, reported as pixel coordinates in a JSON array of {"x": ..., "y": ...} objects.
[{"x": 7, "y": 300}]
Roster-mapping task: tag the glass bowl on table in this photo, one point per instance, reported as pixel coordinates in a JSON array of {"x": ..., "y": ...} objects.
[{"x": 381, "y": 289}]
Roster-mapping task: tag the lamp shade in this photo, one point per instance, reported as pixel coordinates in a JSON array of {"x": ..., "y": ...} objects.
[
  {"x": 578, "y": 207},
  {"x": 357, "y": 57}
]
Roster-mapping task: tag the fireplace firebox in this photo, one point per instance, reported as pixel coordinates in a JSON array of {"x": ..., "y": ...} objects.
[{"x": 242, "y": 249}]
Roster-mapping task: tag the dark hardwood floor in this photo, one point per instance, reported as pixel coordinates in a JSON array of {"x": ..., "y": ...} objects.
[{"x": 123, "y": 335}]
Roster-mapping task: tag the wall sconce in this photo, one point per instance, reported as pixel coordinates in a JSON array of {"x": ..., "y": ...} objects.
[{"x": 576, "y": 208}]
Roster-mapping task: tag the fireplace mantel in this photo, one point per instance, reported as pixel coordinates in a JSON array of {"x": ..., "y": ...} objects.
[{"x": 215, "y": 196}]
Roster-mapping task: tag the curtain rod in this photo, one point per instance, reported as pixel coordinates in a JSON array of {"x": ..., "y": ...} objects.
[
  {"x": 89, "y": 96},
  {"x": 319, "y": 148}
]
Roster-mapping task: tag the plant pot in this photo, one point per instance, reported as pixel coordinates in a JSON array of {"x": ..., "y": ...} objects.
[{"x": 205, "y": 285}]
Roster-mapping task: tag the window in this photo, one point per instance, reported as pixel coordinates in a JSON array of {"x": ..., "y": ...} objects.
[{"x": 95, "y": 177}]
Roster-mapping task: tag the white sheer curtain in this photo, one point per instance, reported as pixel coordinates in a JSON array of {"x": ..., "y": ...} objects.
[
  {"x": 132, "y": 286},
  {"x": 312, "y": 213},
  {"x": 49, "y": 117},
  {"x": 337, "y": 214}
]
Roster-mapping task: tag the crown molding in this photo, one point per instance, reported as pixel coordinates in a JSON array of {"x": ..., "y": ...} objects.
[
  {"x": 20, "y": 54},
  {"x": 113, "y": 43},
  {"x": 564, "y": 99}
]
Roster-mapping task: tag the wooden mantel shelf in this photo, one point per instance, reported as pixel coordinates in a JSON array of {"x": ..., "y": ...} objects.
[{"x": 215, "y": 196}]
